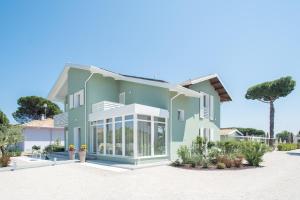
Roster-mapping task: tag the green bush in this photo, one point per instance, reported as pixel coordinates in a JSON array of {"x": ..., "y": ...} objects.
[
  {"x": 253, "y": 152},
  {"x": 229, "y": 146},
  {"x": 14, "y": 153},
  {"x": 221, "y": 166},
  {"x": 54, "y": 148},
  {"x": 184, "y": 154},
  {"x": 213, "y": 155},
  {"x": 286, "y": 147}
]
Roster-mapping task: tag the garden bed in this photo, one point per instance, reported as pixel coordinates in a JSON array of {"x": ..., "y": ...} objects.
[{"x": 226, "y": 155}]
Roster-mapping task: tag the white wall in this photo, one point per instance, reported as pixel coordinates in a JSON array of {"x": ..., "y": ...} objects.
[{"x": 40, "y": 137}]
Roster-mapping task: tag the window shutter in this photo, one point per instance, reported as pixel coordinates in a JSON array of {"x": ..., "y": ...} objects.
[
  {"x": 202, "y": 132},
  {"x": 122, "y": 98},
  {"x": 81, "y": 94},
  {"x": 201, "y": 102},
  {"x": 211, "y": 108},
  {"x": 71, "y": 101}
]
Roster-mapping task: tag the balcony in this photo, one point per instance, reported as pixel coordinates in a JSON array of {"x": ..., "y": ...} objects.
[{"x": 61, "y": 120}]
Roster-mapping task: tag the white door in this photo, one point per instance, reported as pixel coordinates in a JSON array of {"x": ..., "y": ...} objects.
[{"x": 77, "y": 138}]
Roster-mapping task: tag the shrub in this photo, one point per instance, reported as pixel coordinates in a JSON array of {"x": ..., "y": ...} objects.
[
  {"x": 253, "y": 152},
  {"x": 35, "y": 147},
  {"x": 286, "y": 147},
  {"x": 205, "y": 163},
  {"x": 198, "y": 146},
  {"x": 4, "y": 160},
  {"x": 15, "y": 153},
  {"x": 229, "y": 147},
  {"x": 213, "y": 155},
  {"x": 176, "y": 163},
  {"x": 238, "y": 162},
  {"x": 220, "y": 165},
  {"x": 197, "y": 159},
  {"x": 54, "y": 148},
  {"x": 184, "y": 154}
]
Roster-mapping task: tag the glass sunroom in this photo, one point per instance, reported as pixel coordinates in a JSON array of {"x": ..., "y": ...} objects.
[{"x": 128, "y": 133}]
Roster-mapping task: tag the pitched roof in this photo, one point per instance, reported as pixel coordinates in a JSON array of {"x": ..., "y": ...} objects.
[
  {"x": 47, "y": 123},
  {"x": 59, "y": 90},
  {"x": 215, "y": 81},
  {"x": 229, "y": 131}
]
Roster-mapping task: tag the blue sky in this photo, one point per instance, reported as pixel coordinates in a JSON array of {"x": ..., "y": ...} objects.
[{"x": 245, "y": 42}]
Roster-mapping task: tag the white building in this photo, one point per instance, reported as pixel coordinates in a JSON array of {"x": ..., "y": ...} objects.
[{"x": 40, "y": 133}]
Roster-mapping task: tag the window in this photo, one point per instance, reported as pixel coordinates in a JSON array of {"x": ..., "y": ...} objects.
[
  {"x": 76, "y": 99},
  {"x": 159, "y": 136},
  {"x": 211, "y": 108},
  {"x": 180, "y": 115},
  {"x": 129, "y": 135},
  {"x": 122, "y": 98},
  {"x": 100, "y": 138},
  {"x": 118, "y": 136},
  {"x": 144, "y": 135},
  {"x": 109, "y": 137}
]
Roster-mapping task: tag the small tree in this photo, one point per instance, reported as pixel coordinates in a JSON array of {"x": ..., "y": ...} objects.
[
  {"x": 32, "y": 107},
  {"x": 3, "y": 119},
  {"x": 269, "y": 92},
  {"x": 285, "y": 136},
  {"x": 9, "y": 136},
  {"x": 252, "y": 132}
]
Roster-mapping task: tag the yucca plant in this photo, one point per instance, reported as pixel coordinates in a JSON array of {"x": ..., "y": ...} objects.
[{"x": 254, "y": 152}]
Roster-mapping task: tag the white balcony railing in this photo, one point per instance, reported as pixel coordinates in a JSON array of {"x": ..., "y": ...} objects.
[
  {"x": 105, "y": 105},
  {"x": 61, "y": 120}
]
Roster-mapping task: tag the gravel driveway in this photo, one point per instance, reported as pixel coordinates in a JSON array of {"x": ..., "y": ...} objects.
[{"x": 279, "y": 179}]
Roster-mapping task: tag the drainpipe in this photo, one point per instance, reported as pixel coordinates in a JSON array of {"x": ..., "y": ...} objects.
[
  {"x": 171, "y": 120},
  {"x": 85, "y": 107}
]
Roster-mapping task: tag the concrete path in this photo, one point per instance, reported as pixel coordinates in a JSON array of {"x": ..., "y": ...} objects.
[{"x": 279, "y": 179}]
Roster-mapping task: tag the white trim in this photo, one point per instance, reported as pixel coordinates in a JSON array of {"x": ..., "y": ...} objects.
[
  {"x": 205, "y": 78},
  {"x": 62, "y": 80},
  {"x": 152, "y": 136}
]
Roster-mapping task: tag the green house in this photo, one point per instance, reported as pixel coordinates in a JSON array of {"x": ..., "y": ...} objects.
[{"x": 133, "y": 119}]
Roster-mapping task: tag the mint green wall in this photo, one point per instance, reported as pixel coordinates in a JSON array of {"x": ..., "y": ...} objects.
[
  {"x": 76, "y": 118},
  {"x": 184, "y": 132},
  {"x": 145, "y": 94}
]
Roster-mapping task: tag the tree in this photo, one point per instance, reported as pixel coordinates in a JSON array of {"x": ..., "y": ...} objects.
[
  {"x": 3, "y": 119},
  {"x": 32, "y": 108},
  {"x": 10, "y": 135},
  {"x": 269, "y": 92},
  {"x": 252, "y": 132},
  {"x": 285, "y": 136}
]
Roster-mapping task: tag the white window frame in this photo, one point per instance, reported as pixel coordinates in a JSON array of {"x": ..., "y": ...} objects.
[{"x": 180, "y": 115}]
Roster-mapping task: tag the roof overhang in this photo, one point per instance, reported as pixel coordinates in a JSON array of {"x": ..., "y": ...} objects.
[
  {"x": 60, "y": 88},
  {"x": 215, "y": 81}
]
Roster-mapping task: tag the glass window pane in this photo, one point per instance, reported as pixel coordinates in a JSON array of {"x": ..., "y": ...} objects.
[
  {"x": 100, "y": 139},
  {"x": 95, "y": 139},
  {"x": 118, "y": 138},
  {"x": 129, "y": 117},
  {"x": 108, "y": 120},
  {"x": 109, "y": 144},
  {"x": 144, "y": 117},
  {"x": 118, "y": 119},
  {"x": 159, "y": 119},
  {"x": 129, "y": 138},
  {"x": 144, "y": 138},
  {"x": 159, "y": 139}
]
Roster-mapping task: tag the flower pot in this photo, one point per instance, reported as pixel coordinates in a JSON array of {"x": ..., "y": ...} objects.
[
  {"x": 82, "y": 156},
  {"x": 72, "y": 155}
]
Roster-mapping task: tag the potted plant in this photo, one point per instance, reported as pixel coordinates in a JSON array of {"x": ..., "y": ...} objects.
[
  {"x": 71, "y": 152},
  {"x": 82, "y": 153}
]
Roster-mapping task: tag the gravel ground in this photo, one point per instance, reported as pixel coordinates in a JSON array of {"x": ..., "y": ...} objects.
[{"x": 278, "y": 179}]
